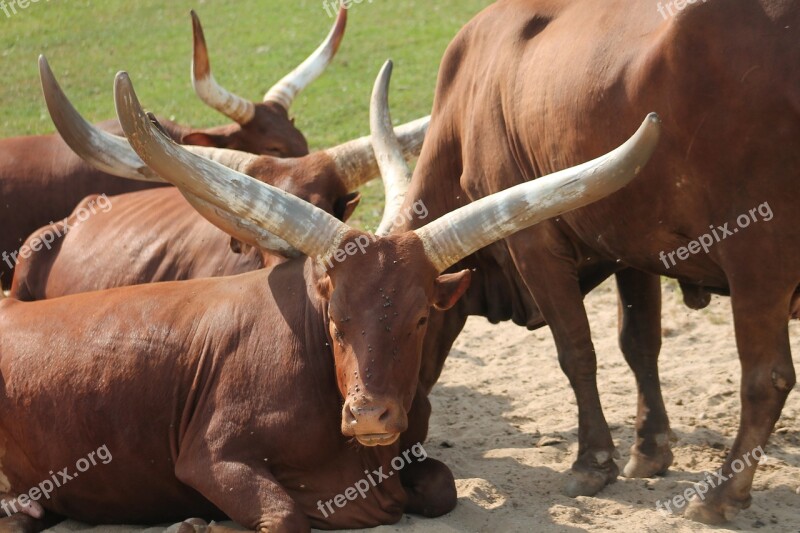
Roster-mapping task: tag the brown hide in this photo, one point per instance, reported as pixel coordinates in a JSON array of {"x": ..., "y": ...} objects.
[{"x": 155, "y": 236}]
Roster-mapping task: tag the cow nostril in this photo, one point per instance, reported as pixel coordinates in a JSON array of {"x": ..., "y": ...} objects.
[
  {"x": 367, "y": 415},
  {"x": 350, "y": 415}
]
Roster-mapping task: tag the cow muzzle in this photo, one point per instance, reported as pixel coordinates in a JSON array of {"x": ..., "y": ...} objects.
[{"x": 373, "y": 422}]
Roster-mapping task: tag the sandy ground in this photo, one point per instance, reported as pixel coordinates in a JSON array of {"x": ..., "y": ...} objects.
[{"x": 505, "y": 421}]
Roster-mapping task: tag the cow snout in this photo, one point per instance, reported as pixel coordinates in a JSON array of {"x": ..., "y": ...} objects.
[{"x": 373, "y": 423}]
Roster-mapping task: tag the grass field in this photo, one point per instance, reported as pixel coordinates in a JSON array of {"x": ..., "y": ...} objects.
[{"x": 252, "y": 43}]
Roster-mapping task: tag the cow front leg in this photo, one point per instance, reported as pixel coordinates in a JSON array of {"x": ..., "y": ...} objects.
[
  {"x": 29, "y": 518},
  {"x": 428, "y": 483},
  {"x": 21, "y": 523},
  {"x": 553, "y": 282},
  {"x": 762, "y": 338},
  {"x": 640, "y": 342},
  {"x": 27, "y": 522},
  {"x": 198, "y": 525},
  {"x": 249, "y": 495}
]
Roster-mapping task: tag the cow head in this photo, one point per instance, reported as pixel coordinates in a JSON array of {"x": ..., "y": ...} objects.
[
  {"x": 378, "y": 290},
  {"x": 259, "y": 127},
  {"x": 379, "y": 293}
]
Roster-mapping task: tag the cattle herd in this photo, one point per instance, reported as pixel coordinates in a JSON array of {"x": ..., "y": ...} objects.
[{"x": 243, "y": 353}]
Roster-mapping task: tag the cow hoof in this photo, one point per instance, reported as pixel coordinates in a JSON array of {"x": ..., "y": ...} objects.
[
  {"x": 641, "y": 465},
  {"x": 585, "y": 482},
  {"x": 711, "y": 513}
]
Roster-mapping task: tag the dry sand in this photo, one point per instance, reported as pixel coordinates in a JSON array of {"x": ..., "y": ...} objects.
[{"x": 505, "y": 421}]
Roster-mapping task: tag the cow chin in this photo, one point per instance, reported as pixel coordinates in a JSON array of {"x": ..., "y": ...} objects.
[{"x": 379, "y": 439}]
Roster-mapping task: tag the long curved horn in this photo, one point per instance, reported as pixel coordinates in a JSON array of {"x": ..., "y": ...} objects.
[
  {"x": 285, "y": 91},
  {"x": 466, "y": 230},
  {"x": 302, "y": 225},
  {"x": 356, "y": 161},
  {"x": 111, "y": 153},
  {"x": 102, "y": 150},
  {"x": 395, "y": 171},
  {"x": 114, "y": 155},
  {"x": 208, "y": 90},
  {"x": 243, "y": 230}
]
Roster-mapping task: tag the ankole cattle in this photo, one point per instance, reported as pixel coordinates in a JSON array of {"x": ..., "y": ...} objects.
[
  {"x": 529, "y": 87},
  {"x": 43, "y": 180},
  {"x": 156, "y": 235},
  {"x": 260, "y": 372}
]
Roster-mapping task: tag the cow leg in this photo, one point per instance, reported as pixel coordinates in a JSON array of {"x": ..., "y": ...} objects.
[
  {"x": 429, "y": 484},
  {"x": 198, "y": 525},
  {"x": 30, "y": 518},
  {"x": 762, "y": 338},
  {"x": 418, "y": 420},
  {"x": 251, "y": 496},
  {"x": 553, "y": 282},
  {"x": 640, "y": 342},
  {"x": 23, "y": 523}
]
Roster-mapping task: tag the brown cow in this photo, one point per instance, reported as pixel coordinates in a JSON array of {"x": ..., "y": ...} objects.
[
  {"x": 253, "y": 368},
  {"x": 532, "y": 86},
  {"x": 42, "y": 179},
  {"x": 156, "y": 235}
]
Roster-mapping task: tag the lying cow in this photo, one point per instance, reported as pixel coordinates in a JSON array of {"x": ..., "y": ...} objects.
[
  {"x": 151, "y": 236},
  {"x": 43, "y": 180},
  {"x": 222, "y": 396},
  {"x": 538, "y": 85}
]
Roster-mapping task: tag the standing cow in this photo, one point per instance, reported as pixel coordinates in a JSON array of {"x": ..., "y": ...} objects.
[
  {"x": 42, "y": 179},
  {"x": 221, "y": 395},
  {"x": 532, "y": 86}
]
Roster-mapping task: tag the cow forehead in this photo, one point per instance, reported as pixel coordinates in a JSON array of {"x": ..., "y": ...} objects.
[
  {"x": 364, "y": 262},
  {"x": 376, "y": 274},
  {"x": 385, "y": 301}
]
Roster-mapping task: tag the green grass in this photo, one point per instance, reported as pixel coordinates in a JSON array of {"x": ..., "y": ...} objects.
[{"x": 252, "y": 43}]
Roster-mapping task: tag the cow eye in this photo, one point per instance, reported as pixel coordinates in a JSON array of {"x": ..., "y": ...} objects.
[{"x": 422, "y": 321}]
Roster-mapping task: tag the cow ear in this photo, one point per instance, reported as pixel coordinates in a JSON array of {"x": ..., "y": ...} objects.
[
  {"x": 198, "y": 138},
  {"x": 325, "y": 287},
  {"x": 344, "y": 207},
  {"x": 450, "y": 287}
]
